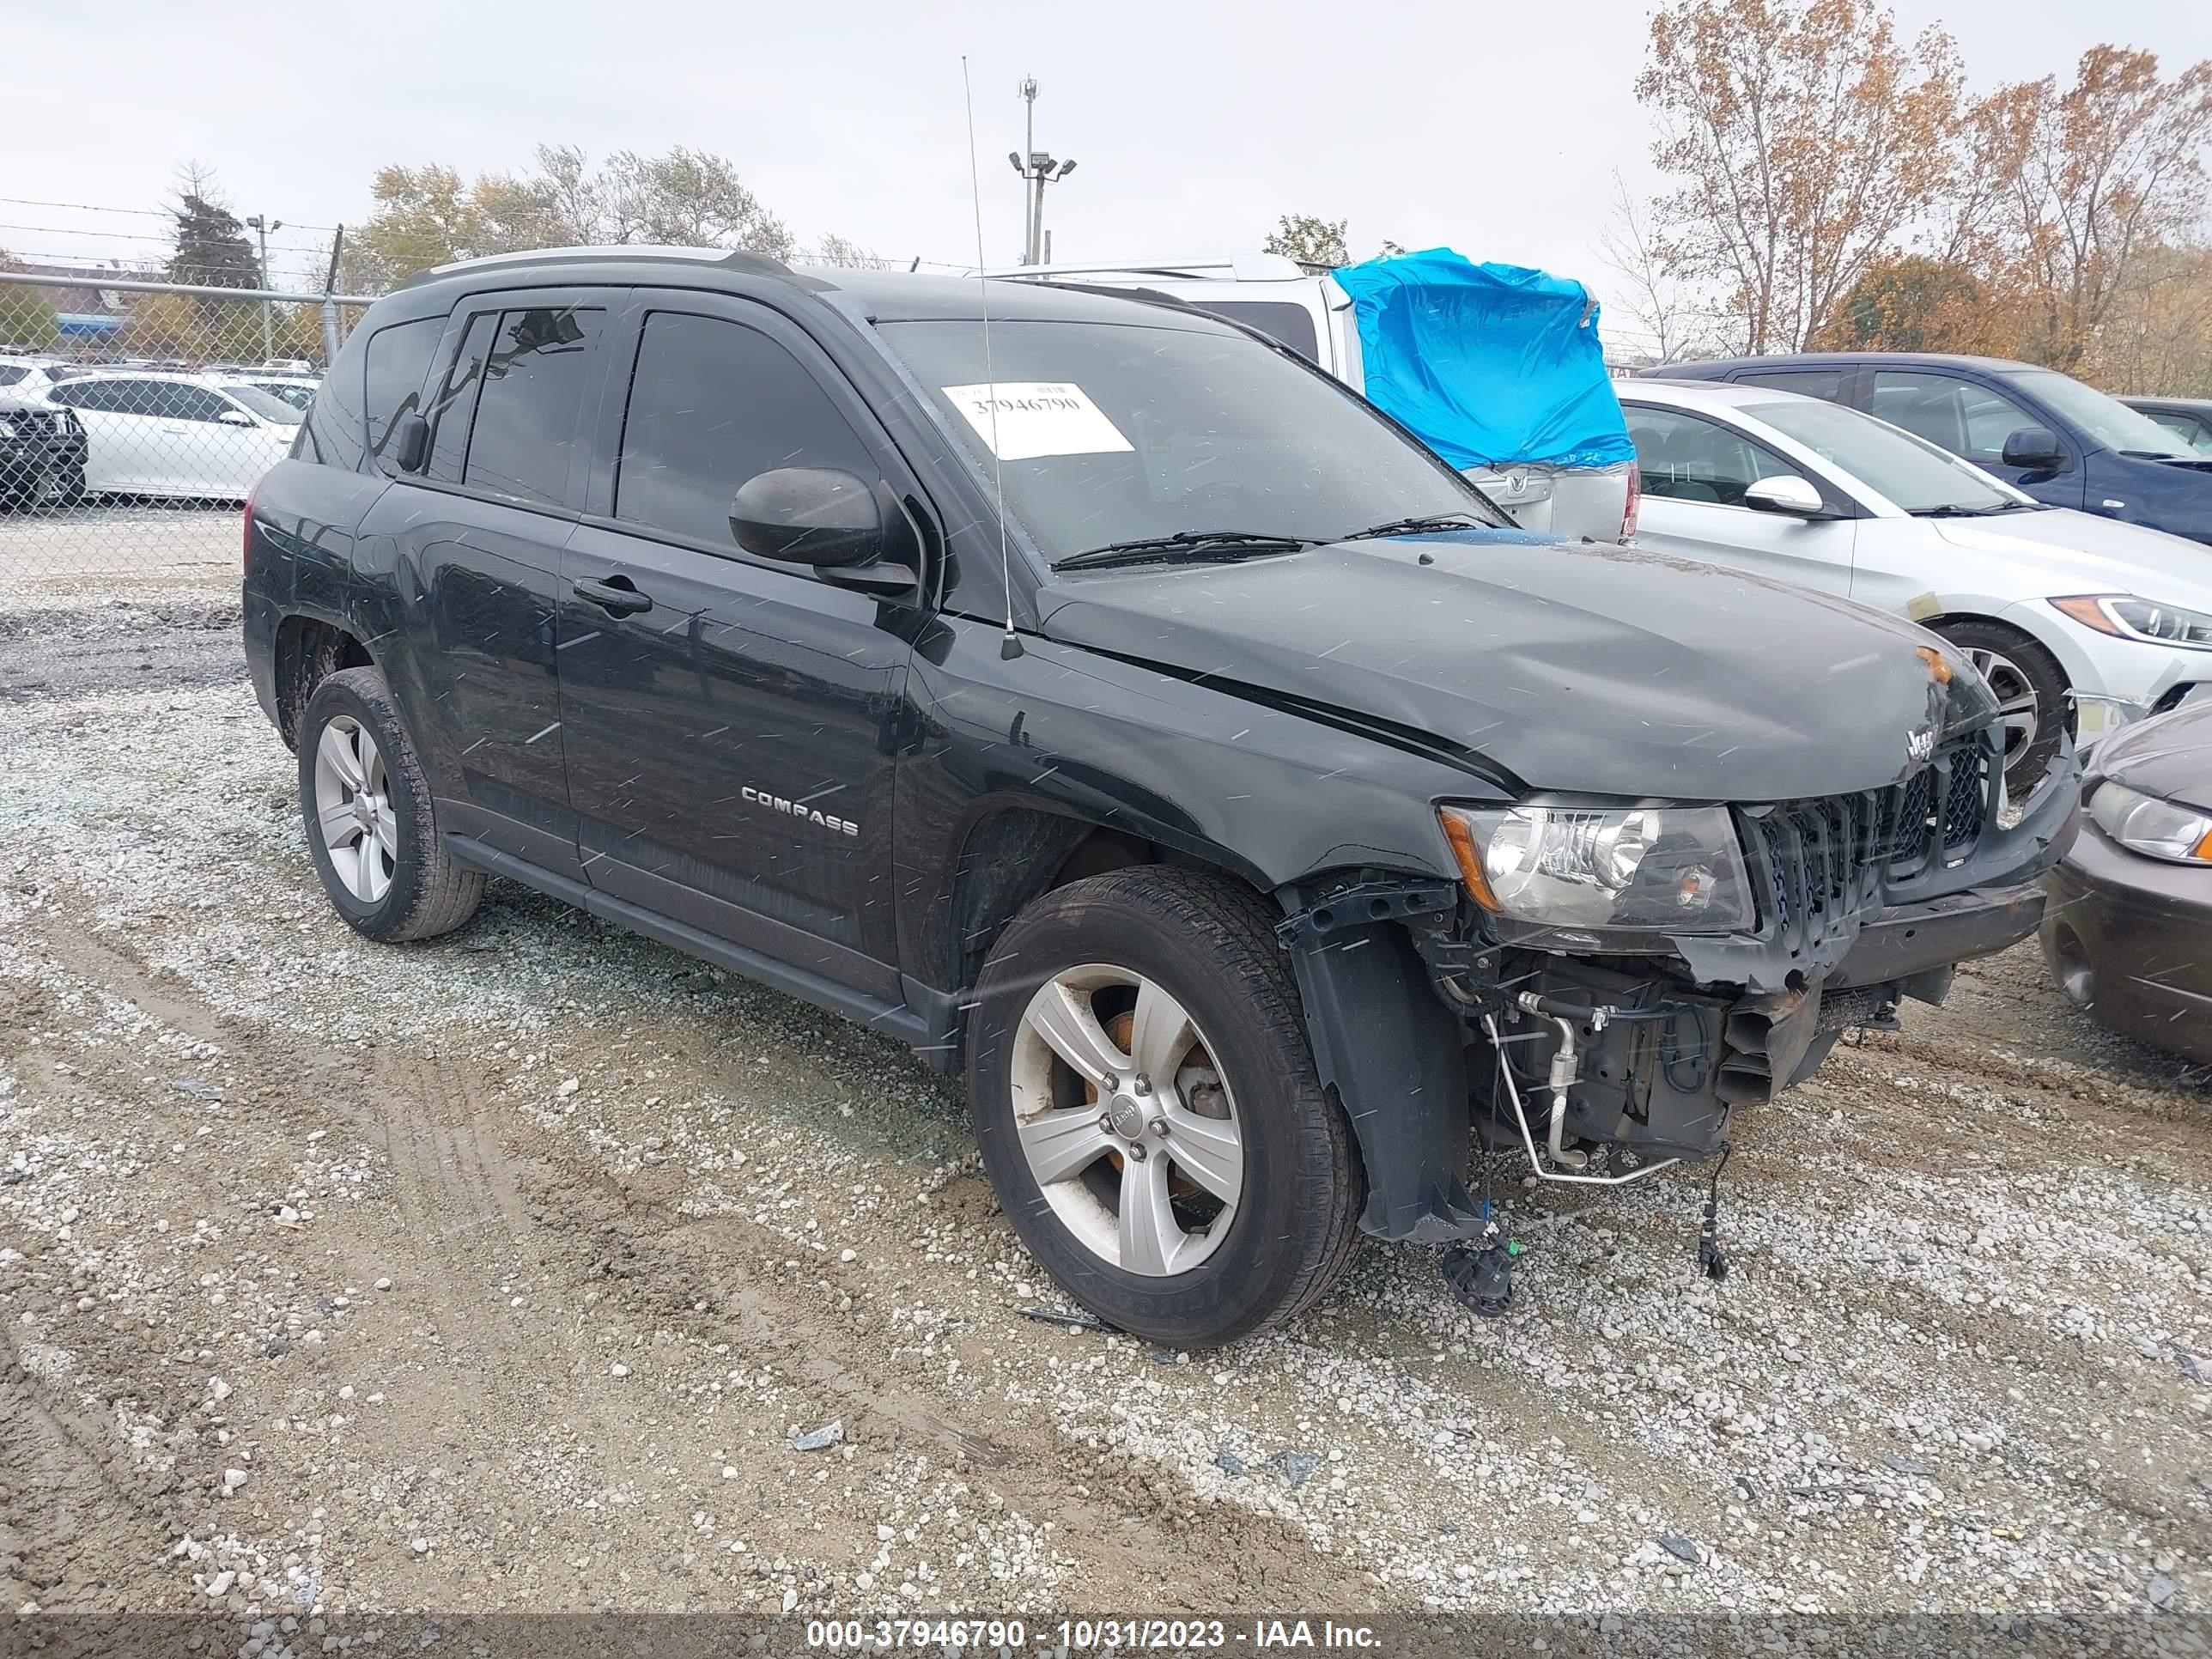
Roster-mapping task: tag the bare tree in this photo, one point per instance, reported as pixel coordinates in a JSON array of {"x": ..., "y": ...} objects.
[
  {"x": 1662, "y": 307},
  {"x": 689, "y": 197},
  {"x": 836, "y": 250}
]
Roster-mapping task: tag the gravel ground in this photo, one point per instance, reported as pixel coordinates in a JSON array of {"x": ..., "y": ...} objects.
[{"x": 502, "y": 1272}]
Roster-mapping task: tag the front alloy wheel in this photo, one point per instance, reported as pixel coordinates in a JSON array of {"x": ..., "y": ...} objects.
[
  {"x": 1129, "y": 1128},
  {"x": 1146, "y": 1106}
]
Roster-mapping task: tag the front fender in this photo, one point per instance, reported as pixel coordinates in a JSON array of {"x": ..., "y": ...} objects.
[{"x": 1266, "y": 793}]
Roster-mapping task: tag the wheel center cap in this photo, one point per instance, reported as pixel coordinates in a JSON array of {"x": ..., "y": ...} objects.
[{"x": 1127, "y": 1116}]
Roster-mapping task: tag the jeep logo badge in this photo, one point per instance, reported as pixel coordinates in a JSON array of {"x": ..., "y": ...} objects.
[{"x": 1920, "y": 743}]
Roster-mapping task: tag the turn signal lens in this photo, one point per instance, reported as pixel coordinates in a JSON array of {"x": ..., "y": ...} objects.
[{"x": 1470, "y": 860}]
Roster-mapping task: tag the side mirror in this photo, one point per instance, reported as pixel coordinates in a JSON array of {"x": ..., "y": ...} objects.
[
  {"x": 2035, "y": 449},
  {"x": 1790, "y": 497},
  {"x": 407, "y": 444},
  {"x": 812, "y": 515},
  {"x": 235, "y": 417}
]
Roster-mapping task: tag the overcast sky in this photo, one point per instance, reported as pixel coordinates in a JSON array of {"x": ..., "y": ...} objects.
[{"x": 1492, "y": 130}]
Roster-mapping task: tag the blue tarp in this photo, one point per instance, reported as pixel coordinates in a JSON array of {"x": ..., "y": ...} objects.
[{"x": 1489, "y": 364}]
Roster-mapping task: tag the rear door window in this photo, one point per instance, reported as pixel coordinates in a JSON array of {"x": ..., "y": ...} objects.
[
  {"x": 1825, "y": 383},
  {"x": 712, "y": 403},
  {"x": 177, "y": 402},
  {"x": 455, "y": 405},
  {"x": 533, "y": 396},
  {"x": 100, "y": 396}
]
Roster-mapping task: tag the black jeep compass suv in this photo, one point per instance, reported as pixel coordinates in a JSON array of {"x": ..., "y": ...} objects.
[{"x": 1100, "y": 700}]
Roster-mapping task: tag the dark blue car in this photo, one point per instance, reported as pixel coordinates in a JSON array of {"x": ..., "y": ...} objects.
[{"x": 2060, "y": 441}]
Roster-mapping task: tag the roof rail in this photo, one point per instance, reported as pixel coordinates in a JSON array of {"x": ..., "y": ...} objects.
[
  {"x": 1240, "y": 267},
  {"x": 760, "y": 265}
]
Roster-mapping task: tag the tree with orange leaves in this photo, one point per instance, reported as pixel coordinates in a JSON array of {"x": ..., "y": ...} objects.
[
  {"x": 1807, "y": 141},
  {"x": 2091, "y": 182}
]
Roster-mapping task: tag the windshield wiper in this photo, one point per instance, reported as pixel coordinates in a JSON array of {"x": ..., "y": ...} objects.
[
  {"x": 1953, "y": 510},
  {"x": 1193, "y": 544},
  {"x": 1425, "y": 521}
]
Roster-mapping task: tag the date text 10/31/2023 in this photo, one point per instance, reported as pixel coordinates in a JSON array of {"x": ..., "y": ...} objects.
[{"x": 1010, "y": 1637}]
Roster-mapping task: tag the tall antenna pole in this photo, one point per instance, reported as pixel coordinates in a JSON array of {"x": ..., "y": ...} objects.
[
  {"x": 1037, "y": 170},
  {"x": 1033, "y": 196}
]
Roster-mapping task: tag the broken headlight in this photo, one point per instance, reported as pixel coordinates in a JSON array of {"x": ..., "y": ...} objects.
[{"x": 1656, "y": 869}]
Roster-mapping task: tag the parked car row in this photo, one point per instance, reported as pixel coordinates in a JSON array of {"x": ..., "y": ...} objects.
[
  {"x": 68, "y": 431},
  {"x": 2062, "y": 442}
]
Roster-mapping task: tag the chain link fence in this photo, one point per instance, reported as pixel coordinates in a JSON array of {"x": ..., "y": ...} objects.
[{"x": 136, "y": 415}]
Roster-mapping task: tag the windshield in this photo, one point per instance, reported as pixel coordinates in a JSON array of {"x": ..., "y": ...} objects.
[
  {"x": 1909, "y": 470},
  {"x": 270, "y": 408},
  {"x": 290, "y": 391},
  {"x": 2108, "y": 420},
  {"x": 1110, "y": 433}
]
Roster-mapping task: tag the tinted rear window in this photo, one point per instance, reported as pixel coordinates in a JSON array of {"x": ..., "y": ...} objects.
[
  {"x": 456, "y": 401},
  {"x": 398, "y": 360},
  {"x": 1827, "y": 384},
  {"x": 533, "y": 392}
]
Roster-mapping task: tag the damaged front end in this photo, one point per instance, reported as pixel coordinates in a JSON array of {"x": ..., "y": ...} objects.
[{"x": 1546, "y": 998}]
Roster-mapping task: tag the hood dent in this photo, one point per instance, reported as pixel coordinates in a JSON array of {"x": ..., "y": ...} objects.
[{"x": 1571, "y": 669}]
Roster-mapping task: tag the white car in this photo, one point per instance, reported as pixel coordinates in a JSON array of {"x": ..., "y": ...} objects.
[
  {"x": 2077, "y": 622},
  {"x": 190, "y": 436}
]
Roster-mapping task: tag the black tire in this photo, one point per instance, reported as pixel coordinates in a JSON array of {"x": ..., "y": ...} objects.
[
  {"x": 1211, "y": 944},
  {"x": 2026, "y": 762},
  {"x": 72, "y": 494},
  {"x": 429, "y": 893}
]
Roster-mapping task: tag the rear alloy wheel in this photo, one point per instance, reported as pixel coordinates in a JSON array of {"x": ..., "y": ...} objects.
[
  {"x": 353, "y": 808},
  {"x": 2032, "y": 706},
  {"x": 1147, "y": 1107},
  {"x": 371, "y": 827}
]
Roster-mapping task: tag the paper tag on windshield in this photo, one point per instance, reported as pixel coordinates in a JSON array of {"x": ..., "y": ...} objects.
[{"x": 1027, "y": 419}]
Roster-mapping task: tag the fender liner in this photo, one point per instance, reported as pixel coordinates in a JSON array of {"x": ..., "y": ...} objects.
[{"x": 1395, "y": 1057}]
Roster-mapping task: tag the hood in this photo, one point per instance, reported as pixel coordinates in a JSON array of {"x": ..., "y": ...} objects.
[
  {"x": 2169, "y": 756},
  {"x": 2198, "y": 467},
  {"x": 1586, "y": 668},
  {"x": 2086, "y": 553}
]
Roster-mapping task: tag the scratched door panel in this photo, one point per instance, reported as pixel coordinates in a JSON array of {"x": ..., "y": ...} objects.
[{"x": 730, "y": 750}]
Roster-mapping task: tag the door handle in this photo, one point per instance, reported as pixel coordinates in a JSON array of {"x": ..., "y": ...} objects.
[{"x": 616, "y": 595}]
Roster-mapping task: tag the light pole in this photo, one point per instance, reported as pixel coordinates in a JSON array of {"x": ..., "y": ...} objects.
[
  {"x": 1037, "y": 171},
  {"x": 262, "y": 226}
]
